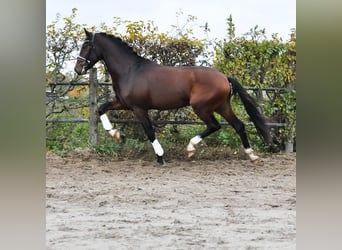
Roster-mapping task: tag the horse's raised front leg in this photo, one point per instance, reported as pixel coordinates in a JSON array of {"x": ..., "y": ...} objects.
[
  {"x": 111, "y": 105},
  {"x": 142, "y": 116}
]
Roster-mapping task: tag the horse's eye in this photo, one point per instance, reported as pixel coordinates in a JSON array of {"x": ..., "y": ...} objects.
[{"x": 85, "y": 45}]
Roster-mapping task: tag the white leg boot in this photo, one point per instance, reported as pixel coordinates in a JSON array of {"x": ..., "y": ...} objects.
[
  {"x": 108, "y": 126},
  {"x": 251, "y": 154}
]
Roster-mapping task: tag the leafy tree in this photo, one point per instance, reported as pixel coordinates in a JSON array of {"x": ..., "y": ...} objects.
[{"x": 255, "y": 60}]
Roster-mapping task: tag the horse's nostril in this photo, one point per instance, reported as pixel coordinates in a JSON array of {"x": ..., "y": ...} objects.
[{"x": 78, "y": 70}]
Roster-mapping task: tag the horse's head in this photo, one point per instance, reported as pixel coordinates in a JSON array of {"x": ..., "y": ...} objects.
[{"x": 88, "y": 54}]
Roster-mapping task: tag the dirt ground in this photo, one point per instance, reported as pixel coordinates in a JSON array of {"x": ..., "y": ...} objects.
[{"x": 95, "y": 202}]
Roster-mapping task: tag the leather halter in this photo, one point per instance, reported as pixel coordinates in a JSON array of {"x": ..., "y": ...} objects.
[{"x": 92, "y": 46}]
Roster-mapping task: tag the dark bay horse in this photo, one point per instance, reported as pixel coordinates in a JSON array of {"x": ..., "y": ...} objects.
[{"x": 141, "y": 84}]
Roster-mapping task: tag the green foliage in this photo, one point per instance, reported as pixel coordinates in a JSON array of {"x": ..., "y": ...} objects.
[
  {"x": 144, "y": 37},
  {"x": 63, "y": 137},
  {"x": 257, "y": 61},
  {"x": 260, "y": 62},
  {"x": 62, "y": 40}
]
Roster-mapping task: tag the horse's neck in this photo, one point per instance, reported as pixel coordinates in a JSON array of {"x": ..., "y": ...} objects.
[
  {"x": 115, "y": 66},
  {"x": 118, "y": 62}
]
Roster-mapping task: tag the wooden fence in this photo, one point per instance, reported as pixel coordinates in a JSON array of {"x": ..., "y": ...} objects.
[{"x": 93, "y": 119}]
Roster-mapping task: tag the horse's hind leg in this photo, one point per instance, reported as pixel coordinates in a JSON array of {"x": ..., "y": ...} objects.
[
  {"x": 226, "y": 111},
  {"x": 212, "y": 126}
]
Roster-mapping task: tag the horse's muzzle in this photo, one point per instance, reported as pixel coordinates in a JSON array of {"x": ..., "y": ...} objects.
[
  {"x": 80, "y": 69},
  {"x": 82, "y": 65}
]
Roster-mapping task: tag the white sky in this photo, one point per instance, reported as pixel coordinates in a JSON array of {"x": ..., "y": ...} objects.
[{"x": 277, "y": 16}]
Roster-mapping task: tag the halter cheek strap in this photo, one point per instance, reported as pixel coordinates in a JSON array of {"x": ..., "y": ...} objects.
[
  {"x": 92, "y": 39},
  {"x": 92, "y": 47}
]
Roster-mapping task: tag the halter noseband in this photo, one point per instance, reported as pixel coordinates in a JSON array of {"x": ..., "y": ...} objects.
[{"x": 83, "y": 59}]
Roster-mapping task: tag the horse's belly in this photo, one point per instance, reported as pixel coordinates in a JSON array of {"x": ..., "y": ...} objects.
[{"x": 168, "y": 102}]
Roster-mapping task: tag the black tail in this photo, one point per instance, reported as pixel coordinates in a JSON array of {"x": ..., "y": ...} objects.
[{"x": 251, "y": 107}]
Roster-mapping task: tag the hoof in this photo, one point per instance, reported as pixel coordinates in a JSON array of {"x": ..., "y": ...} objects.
[
  {"x": 160, "y": 160},
  {"x": 115, "y": 134},
  {"x": 191, "y": 153},
  {"x": 254, "y": 158},
  {"x": 255, "y": 162}
]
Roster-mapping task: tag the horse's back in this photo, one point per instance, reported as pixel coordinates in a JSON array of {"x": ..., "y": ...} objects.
[
  {"x": 166, "y": 87},
  {"x": 186, "y": 77}
]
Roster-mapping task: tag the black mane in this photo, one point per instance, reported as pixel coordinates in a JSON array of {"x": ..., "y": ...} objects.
[{"x": 120, "y": 42}]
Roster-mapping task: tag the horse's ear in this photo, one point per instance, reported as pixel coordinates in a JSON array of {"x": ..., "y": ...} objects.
[{"x": 87, "y": 33}]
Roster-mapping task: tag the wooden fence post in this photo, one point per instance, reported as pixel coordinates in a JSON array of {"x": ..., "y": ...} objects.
[{"x": 93, "y": 131}]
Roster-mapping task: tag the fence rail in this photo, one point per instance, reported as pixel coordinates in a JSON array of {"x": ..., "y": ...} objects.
[
  {"x": 159, "y": 122},
  {"x": 93, "y": 104}
]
